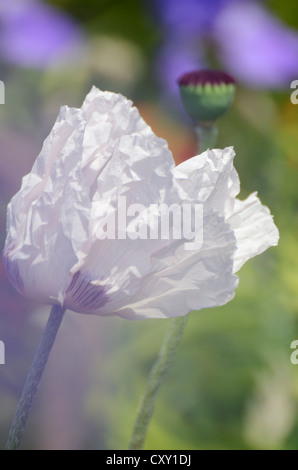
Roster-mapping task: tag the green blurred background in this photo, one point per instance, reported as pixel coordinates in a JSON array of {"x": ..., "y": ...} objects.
[{"x": 232, "y": 385}]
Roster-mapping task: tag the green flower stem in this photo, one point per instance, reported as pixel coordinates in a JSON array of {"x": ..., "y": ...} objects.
[
  {"x": 156, "y": 379},
  {"x": 207, "y": 136},
  {"x": 33, "y": 379}
]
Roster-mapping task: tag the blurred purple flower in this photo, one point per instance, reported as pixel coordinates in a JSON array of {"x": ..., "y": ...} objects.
[
  {"x": 34, "y": 34},
  {"x": 255, "y": 46},
  {"x": 250, "y": 43},
  {"x": 188, "y": 16}
]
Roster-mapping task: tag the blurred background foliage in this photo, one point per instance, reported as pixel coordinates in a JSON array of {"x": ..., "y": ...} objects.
[{"x": 232, "y": 385}]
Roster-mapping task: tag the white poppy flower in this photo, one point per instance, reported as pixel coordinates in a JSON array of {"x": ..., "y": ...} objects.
[{"x": 55, "y": 251}]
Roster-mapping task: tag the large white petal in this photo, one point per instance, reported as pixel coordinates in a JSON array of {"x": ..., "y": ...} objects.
[
  {"x": 50, "y": 219},
  {"x": 209, "y": 178},
  {"x": 254, "y": 229},
  {"x": 133, "y": 164},
  {"x": 120, "y": 147},
  {"x": 181, "y": 281},
  {"x": 143, "y": 278},
  {"x": 212, "y": 179}
]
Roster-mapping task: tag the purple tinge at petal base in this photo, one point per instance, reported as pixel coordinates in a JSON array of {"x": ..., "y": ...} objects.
[{"x": 84, "y": 294}]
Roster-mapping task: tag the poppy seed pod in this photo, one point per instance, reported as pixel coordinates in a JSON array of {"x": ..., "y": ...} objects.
[{"x": 206, "y": 94}]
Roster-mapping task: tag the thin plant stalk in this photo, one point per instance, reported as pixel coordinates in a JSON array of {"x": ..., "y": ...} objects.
[
  {"x": 33, "y": 379},
  {"x": 207, "y": 134},
  {"x": 156, "y": 379}
]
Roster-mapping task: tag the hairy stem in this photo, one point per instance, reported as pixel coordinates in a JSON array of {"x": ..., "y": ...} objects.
[{"x": 156, "y": 379}]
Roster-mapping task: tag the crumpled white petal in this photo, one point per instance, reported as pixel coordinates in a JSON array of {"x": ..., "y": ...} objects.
[
  {"x": 48, "y": 218},
  {"x": 254, "y": 229},
  {"x": 188, "y": 280},
  {"x": 55, "y": 253},
  {"x": 212, "y": 179}
]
